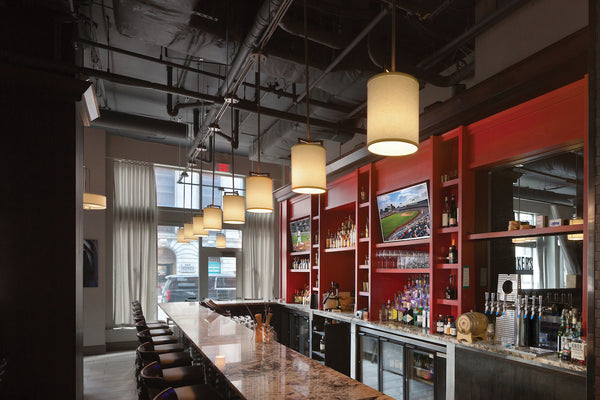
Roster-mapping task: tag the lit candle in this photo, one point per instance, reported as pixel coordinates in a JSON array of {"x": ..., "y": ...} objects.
[{"x": 220, "y": 362}]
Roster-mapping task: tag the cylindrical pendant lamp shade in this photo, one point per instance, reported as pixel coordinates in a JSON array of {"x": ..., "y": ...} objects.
[
  {"x": 180, "y": 238},
  {"x": 221, "y": 241},
  {"x": 199, "y": 226},
  {"x": 213, "y": 218},
  {"x": 392, "y": 114},
  {"x": 188, "y": 232},
  {"x": 93, "y": 201},
  {"x": 308, "y": 167},
  {"x": 259, "y": 194},
  {"x": 234, "y": 208}
]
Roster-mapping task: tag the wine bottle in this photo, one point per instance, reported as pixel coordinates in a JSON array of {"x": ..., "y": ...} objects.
[
  {"x": 445, "y": 213},
  {"x": 452, "y": 254},
  {"x": 453, "y": 217}
]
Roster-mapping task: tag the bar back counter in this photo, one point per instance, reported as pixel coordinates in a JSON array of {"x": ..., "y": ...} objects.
[{"x": 403, "y": 361}]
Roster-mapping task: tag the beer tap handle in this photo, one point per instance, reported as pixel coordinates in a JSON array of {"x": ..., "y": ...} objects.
[
  {"x": 518, "y": 306},
  {"x": 541, "y": 308},
  {"x": 532, "y": 307},
  {"x": 526, "y": 306},
  {"x": 504, "y": 305},
  {"x": 487, "y": 302}
]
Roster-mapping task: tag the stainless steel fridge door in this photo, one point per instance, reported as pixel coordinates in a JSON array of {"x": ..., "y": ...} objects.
[
  {"x": 369, "y": 360},
  {"x": 420, "y": 377},
  {"x": 392, "y": 369}
]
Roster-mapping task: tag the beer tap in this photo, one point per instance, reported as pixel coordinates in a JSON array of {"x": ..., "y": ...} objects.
[
  {"x": 493, "y": 306},
  {"x": 532, "y": 307},
  {"x": 504, "y": 305},
  {"x": 519, "y": 310},
  {"x": 525, "y": 306},
  {"x": 540, "y": 307},
  {"x": 487, "y": 303}
]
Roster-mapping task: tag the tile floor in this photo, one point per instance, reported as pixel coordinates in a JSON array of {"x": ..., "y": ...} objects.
[{"x": 109, "y": 376}]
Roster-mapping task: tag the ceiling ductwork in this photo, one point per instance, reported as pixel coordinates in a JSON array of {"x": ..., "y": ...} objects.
[{"x": 142, "y": 128}]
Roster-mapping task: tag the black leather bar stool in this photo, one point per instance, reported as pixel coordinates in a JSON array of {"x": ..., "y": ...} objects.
[
  {"x": 145, "y": 336},
  {"x": 155, "y": 330},
  {"x": 192, "y": 392},
  {"x": 155, "y": 379},
  {"x": 146, "y": 354}
]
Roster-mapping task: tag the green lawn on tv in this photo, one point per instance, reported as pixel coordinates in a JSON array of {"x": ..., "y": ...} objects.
[
  {"x": 391, "y": 223},
  {"x": 304, "y": 238}
]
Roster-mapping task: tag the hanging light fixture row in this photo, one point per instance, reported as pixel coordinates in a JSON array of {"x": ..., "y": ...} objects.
[
  {"x": 393, "y": 109},
  {"x": 309, "y": 157},
  {"x": 234, "y": 205},
  {"x": 259, "y": 186}
]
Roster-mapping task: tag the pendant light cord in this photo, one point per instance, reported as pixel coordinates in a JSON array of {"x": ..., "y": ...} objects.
[
  {"x": 213, "y": 169},
  {"x": 232, "y": 159},
  {"x": 306, "y": 72},
  {"x": 393, "y": 35},
  {"x": 258, "y": 106}
]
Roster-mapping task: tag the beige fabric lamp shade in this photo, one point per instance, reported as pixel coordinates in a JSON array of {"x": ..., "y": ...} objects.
[
  {"x": 259, "y": 194},
  {"x": 199, "y": 226},
  {"x": 213, "y": 218},
  {"x": 308, "y": 167},
  {"x": 392, "y": 114},
  {"x": 188, "y": 231},
  {"x": 221, "y": 241},
  {"x": 93, "y": 201},
  {"x": 234, "y": 208},
  {"x": 180, "y": 238}
]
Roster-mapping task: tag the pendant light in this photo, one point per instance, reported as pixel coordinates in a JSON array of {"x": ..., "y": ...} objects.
[
  {"x": 91, "y": 201},
  {"x": 309, "y": 157},
  {"x": 213, "y": 216},
  {"x": 199, "y": 218},
  {"x": 259, "y": 186},
  {"x": 393, "y": 109},
  {"x": 576, "y": 220},
  {"x": 221, "y": 241},
  {"x": 234, "y": 207}
]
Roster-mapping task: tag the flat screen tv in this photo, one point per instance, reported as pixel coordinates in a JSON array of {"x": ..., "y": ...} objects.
[
  {"x": 300, "y": 234},
  {"x": 404, "y": 214}
]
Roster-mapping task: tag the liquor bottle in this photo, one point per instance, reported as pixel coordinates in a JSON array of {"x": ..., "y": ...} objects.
[
  {"x": 450, "y": 291},
  {"x": 453, "y": 216},
  {"x": 408, "y": 317},
  {"x": 566, "y": 343},
  {"x": 561, "y": 332},
  {"x": 445, "y": 213},
  {"x": 322, "y": 344},
  {"x": 327, "y": 240},
  {"x": 440, "y": 324},
  {"x": 382, "y": 313},
  {"x": 452, "y": 327},
  {"x": 452, "y": 254},
  {"x": 419, "y": 315}
]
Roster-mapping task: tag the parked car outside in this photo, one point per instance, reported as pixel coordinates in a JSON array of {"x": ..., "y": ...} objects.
[
  {"x": 222, "y": 287},
  {"x": 178, "y": 288}
]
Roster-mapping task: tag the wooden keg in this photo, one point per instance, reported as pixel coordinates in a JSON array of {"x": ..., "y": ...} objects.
[{"x": 471, "y": 325}]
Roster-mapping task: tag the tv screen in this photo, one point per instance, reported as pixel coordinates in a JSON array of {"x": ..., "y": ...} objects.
[
  {"x": 404, "y": 214},
  {"x": 300, "y": 233}
]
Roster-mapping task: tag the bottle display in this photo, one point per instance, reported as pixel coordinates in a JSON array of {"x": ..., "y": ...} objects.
[
  {"x": 322, "y": 344},
  {"x": 450, "y": 291},
  {"x": 453, "y": 213},
  {"x": 446, "y": 213},
  {"x": 300, "y": 263},
  {"x": 345, "y": 236},
  {"x": 410, "y": 306}
]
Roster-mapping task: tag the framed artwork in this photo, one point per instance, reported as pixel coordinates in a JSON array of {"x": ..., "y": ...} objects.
[{"x": 90, "y": 263}]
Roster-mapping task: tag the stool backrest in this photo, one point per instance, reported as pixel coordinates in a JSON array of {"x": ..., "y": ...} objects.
[
  {"x": 146, "y": 353},
  {"x": 144, "y": 336},
  {"x": 152, "y": 379},
  {"x": 167, "y": 394}
]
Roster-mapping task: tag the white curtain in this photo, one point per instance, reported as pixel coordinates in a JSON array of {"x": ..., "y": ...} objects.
[
  {"x": 258, "y": 243},
  {"x": 134, "y": 240}
]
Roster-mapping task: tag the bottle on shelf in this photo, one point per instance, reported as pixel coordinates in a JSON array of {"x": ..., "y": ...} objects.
[
  {"x": 450, "y": 291},
  {"x": 452, "y": 254},
  {"x": 452, "y": 327},
  {"x": 453, "y": 215},
  {"x": 440, "y": 324},
  {"x": 445, "y": 213},
  {"x": 561, "y": 332},
  {"x": 322, "y": 344}
]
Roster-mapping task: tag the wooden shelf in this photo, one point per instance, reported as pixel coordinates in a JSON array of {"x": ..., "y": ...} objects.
[
  {"x": 339, "y": 249},
  {"x": 364, "y": 240},
  {"x": 365, "y": 294},
  {"x": 450, "y": 229},
  {"x": 363, "y": 266},
  {"x": 404, "y": 243},
  {"x": 450, "y": 183},
  {"x": 315, "y": 246},
  {"x": 551, "y": 230},
  {"x": 318, "y": 353},
  {"x": 342, "y": 207},
  {"x": 316, "y": 289},
  {"x": 365, "y": 204},
  {"x": 447, "y": 302},
  {"x": 299, "y": 270},
  {"x": 402, "y": 271},
  {"x": 300, "y": 253},
  {"x": 315, "y": 267},
  {"x": 447, "y": 266},
  {"x": 315, "y": 218},
  {"x": 321, "y": 333}
]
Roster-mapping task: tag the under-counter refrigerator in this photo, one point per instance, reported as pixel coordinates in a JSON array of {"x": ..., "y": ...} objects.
[{"x": 400, "y": 367}]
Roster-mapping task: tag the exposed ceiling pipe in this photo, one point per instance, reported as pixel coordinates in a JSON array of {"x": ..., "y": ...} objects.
[
  {"x": 261, "y": 31},
  {"x": 489, "y": 21},
  {"x": 345, "y": 52},
  {"x": 315, "y": 34},
  {"x": 142, "y": 128}
]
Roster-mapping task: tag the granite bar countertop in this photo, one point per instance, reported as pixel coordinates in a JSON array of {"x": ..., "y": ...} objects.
[
  {"x": 551, "y": 360},
  {"x": 262, "y": 371}
]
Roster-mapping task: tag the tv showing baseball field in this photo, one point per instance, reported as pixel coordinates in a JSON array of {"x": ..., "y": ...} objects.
[
  {"x": 300, "y": 233},
  {"x": 404, "y": 213}
]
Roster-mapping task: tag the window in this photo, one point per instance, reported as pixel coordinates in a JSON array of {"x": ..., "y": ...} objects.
[
  {"x": 177, "y": 278},
  {"x": 233, "y": 239},
  {"x": 222, "y": 278}
]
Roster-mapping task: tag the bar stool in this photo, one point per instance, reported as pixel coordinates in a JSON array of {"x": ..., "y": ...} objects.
[
  {"x": 145, "y": 336},
  {"x": 192, "y": 392},
  {"x": 155, "y": 330},
  {"x": 146, "y": 354},
  {"x": 155, "y": 379}
]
